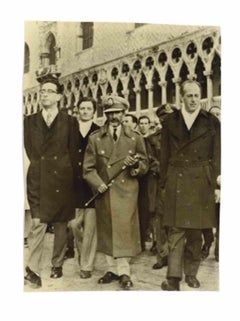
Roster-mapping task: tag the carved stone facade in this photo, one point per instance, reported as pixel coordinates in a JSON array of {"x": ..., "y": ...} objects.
[{"x": 145, "y": 65}]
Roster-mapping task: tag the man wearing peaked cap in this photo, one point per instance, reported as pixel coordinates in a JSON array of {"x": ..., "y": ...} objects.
[
  {"x": 51, "y": 143},
  {"x": 109, "y": 151},
  {"x": 115, "y": 103}
]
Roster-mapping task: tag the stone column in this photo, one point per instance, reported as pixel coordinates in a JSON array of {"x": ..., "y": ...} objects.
[
  {"x": 177, "y": 91},
  {"x": 163, "y": 85},
  {"x": 150, "y": 96},
  {"x": 138, "y": 100},
  {"x": 209, "y": 87}
]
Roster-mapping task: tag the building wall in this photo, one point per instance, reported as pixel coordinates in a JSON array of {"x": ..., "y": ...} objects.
[{"x": 119, "y": 44}]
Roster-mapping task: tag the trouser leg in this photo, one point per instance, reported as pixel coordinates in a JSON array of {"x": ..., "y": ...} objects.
[
  {"x": 27, "y": 223},
  {"x": 112, "y": 264},
  {"x": 192, "y": 253},
  {"x": 59, "y": 244},
  {"x": 176, "y": 241},
  {"x": 208, "y": 236},
  {"x": 35, "y": 242},
  {"x": 89, "y": 242},
  {"x": 123, "y": 266},
  {"x": 77, "y": 226},
  {"x": 161, "y": 239}
]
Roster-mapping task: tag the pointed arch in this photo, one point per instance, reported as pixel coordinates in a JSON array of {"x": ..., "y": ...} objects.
[
  {"x": 184, "y": 72},
  {"x": 109, "y": 89},
  {"x": 171, "y": 90},
  {"x": 216, "y": 75},
  {"x": 157, "y": 92},
  {"x": 99, "y": 102},
  {"x": 201, "y": 78},
  {"x": 131, "y": 95},
  {"x": 120, "y": 88},
  {"x": 144, "y": 92}
]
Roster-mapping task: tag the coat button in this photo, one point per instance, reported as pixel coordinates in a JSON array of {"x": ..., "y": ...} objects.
[
  {"x": 178, "y": 191},
  {"x": 102, "y": 152},
  {"x": 130, "y": 151},
  {"x": 123, "y": 181},
  {"x": 42, "y": 158},
  {"x": 55, "y": 172},
  {"x": 79, "y": 150},
  {"x": 109, "y": 166},
  {"x": 57, "y": 190},
  {"x": 133, "y": 138},
  {"x": 55, "y": 157},
  {"x": 180, "y": 174},
  {"x": 79, "y": 163}
]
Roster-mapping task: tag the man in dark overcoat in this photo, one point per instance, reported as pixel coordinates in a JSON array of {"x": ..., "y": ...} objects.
[
  {"x": 190, "y": 165},
  {"x": 51, "y": 142},
  {"x": 155, "y": 204},
  {"x": 109, "y": 151},
  {"x": 84, "y": 225}
]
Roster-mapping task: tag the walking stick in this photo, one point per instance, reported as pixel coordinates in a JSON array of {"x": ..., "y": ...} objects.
[{"x": 109, "y": 183}]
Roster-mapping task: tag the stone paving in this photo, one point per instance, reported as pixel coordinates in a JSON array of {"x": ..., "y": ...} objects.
[{"x": 143, "y": 276}]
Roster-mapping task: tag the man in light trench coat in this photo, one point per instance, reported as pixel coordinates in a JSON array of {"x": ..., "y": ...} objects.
[
  {"x": 190, "y": 165},
  {"x": 109, "y": 150}
]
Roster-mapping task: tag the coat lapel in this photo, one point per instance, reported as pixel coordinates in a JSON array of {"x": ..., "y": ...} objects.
[{"x": 181, "y": 133}]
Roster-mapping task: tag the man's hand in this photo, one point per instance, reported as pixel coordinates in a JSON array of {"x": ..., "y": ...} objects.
[
  {"x": 131, "y": 161},
  {"x": 102, "y": 188}
]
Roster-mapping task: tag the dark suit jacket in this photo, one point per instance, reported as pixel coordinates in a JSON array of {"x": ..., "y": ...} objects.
[
  {"x": 53, "y": 167},
  {"x": 83, "y": 190},
  {"x": 190, "y": 164}
]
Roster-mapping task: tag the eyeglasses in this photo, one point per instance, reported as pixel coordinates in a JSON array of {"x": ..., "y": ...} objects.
[{"x": 48, "y": 91}]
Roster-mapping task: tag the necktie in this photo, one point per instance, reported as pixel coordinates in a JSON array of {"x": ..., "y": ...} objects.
[
  {"x": 115, "y": 134},
  {"x": 49, "y": 119}
]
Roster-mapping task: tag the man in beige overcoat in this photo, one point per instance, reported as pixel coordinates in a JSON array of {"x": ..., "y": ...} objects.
[{"x": 111, "y": 149}]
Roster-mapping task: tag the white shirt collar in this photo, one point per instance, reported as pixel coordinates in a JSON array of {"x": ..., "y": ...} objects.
[
  {"x": 189, "y": 118},
  {"x": 84, "y": 127},
  {"x": 53, "y": 111}
]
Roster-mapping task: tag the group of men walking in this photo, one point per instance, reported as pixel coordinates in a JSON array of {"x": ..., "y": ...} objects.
[{"x": 85, "y": 178}]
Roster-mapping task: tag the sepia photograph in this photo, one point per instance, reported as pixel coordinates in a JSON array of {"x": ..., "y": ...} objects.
[
  {"x": 119, "y": 160},
  {"x": 121, "y": 156}
]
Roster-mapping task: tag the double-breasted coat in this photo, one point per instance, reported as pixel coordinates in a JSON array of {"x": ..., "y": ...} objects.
[
  {"x": 52, "y": 152},
  {"x": 83, "y": 190},
  {"x": 117, "y": 210},
  {"x": 190, "y": 164}
]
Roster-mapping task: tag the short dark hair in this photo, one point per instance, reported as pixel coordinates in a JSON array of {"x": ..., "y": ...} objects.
[
  {"x": 93, "y": 101},
  {"x": 144, "y": 117},
  {"x": 134, "y": 118},
  {"x": 54, "y": 81},
  {"x": 189, "y": 81}
]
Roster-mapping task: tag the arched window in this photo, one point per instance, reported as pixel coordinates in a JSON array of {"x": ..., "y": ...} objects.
[
  {"x": 157, "y": 93},
  {"x": 48, "y": 56},
  {"x": 170, "y": 86},
  {"x": 216, "y": 75},
  {"x": 200, "y": 77},
  {"x": 132, "y": 95},
  {"x": 87, "y": 35},
  {"x": 26, "y": 59},
  {"x": 144, "y": 92}
]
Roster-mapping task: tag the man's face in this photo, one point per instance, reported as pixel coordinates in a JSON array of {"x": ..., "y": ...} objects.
[
  {"x": 191, "y": 97},
  {"x": 86, "y": 111},
  {"x": 115, "y": 118},
  {"x": 128, "y": 122},
  {"x": 144, "y": 126},
  {"x": 48, "y": 95}
]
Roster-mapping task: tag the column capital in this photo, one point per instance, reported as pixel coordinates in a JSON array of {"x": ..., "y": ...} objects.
[
  {"x": 207, "y": 73},
  {"x": 162, "y": 83},
  {"x": 149, "y": 87},
  {"x": 177, "y": 80}
]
